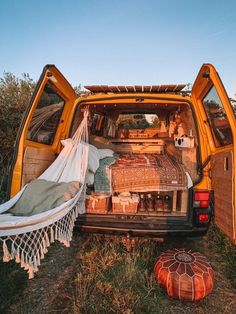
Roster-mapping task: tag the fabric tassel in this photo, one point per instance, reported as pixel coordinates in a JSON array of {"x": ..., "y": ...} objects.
[
  {"x": 47, "y": 239},
  {"x": 56, "y": 233},
  {"x": 35, "y": 264},
  {"x": 22, "y": 260},
  {"x": 17, "y": 257},
  {"x": 41, "y": 252},
  {"x": 52, "y": 235},
  {"x": 38, "y": 259},
  {"x": 44, "y": 246},
  {"x": 31, "y": 272},
  {"x": 13, "y": 250},
  {"x": 6, "y": 254}
]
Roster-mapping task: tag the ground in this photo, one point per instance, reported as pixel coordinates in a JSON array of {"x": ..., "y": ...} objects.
[{"x": 97, "y": 275}]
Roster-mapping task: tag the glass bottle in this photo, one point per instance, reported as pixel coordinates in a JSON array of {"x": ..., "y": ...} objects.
[
  {"x": 149, "y": 203},
  {"x": 141, "y": 204},
  {"x": 159, "y": 202},
  {"x": 167, "y": 203}
]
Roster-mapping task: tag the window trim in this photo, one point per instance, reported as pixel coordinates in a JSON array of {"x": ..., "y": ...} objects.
[{"x": 217, "y": 142}]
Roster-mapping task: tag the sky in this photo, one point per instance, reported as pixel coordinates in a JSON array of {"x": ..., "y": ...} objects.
[{"x": 119, "y": 42}]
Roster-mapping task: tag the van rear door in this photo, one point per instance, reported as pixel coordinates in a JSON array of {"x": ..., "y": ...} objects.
[
  {"x": 42, "y": 126},
  {"x": 217, "y": 128}
]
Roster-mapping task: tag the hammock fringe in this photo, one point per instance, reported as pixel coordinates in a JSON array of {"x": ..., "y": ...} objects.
[
  {"x": 27, "y": 241},
  {"x": 19, "y": 248}
]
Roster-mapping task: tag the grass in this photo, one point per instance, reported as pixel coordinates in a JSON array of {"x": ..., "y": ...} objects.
[
  {"x": 223, "y": 246},
  {"x": 97, "y": 275},
  {"x": 110, "y": 280},
  {"x": 12, "y": 281}
]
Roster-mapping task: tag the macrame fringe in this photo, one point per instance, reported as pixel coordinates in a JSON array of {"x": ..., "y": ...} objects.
[{"x": 30, "y": 248}]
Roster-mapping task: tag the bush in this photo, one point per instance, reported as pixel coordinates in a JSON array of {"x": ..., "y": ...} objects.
[{"x": 15, "y": 94}]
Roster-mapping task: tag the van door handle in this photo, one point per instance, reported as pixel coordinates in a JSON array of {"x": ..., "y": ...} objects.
[{"x": 226, "y": 163}]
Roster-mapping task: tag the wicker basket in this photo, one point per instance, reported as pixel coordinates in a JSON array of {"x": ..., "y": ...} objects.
[
  {"x": 97, "y": 203},
  {"x": 124, "y": 205}
]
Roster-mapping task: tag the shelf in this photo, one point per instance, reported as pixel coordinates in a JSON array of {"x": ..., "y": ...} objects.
[{"x": 138, "y": 140}]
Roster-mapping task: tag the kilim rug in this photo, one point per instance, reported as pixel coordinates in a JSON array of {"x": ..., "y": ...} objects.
[{"x": 147, "y": 172}]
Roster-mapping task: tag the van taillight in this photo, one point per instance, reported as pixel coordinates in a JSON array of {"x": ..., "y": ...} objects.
[
  {"x": 201, "y": 199},
  {"x": 203, "y": 217}
]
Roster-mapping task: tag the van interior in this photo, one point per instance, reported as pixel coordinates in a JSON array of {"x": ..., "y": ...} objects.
[{"x": 147, "y": 159}]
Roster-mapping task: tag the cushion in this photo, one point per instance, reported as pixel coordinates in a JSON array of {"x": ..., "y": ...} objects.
[
  {"x": 186, "y": 275},
  {"x": 103, "y": 153},
  {"x": 41, "y": 195},
  {"x": 93, "y": 159}
]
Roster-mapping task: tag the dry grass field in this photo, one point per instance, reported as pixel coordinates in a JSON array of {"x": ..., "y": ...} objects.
[{"x": 97, "y": 275}]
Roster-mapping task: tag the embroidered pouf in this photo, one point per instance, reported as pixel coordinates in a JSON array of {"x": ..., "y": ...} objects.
[{"x": 186, "y": 275}]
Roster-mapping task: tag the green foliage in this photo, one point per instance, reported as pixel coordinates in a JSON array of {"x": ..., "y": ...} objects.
[
  {"x": 15, "y": 94},
  {"x": 133, "y": 121},
  {"x": 156, "y": 123}
]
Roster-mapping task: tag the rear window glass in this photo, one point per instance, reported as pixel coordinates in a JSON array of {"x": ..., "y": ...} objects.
[
  {"x": 138, "y": 121},
  {"x": 46, "y": 117},
  {"x": 217, "y": 119}
]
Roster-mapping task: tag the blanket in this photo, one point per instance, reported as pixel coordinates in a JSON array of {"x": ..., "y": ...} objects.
[
  {"x": 147, "y": 172},
  {"x": 102, "y": 176}
]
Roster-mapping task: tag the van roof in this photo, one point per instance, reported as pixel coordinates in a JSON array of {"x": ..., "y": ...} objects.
[{"x": 174, "y": 88}]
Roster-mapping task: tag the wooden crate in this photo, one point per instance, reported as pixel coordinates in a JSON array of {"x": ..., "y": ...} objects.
[
  {"x": 97, "y": 204},
  {"x": 125, "y": 207}
]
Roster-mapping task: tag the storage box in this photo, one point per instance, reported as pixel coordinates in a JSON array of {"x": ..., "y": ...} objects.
[
  {"x": 97, "y": 203},
  {"x": 125, "y": 204}
]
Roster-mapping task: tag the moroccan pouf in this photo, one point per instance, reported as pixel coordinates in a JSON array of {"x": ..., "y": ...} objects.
[{"x": 185, "y": 275}]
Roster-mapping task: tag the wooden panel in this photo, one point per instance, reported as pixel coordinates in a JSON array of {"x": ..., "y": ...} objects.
[
  {"x": 105, "y": 88},
  {"x": 155, "y": 88},
  {"x": 170, "y": 88},
  {"x": 138, "y": 88},
  {"x": 147, "y": 89},
  {"x": 130, "y": 89},
  {"x": 94, "y": 88},
  {"x": 122, "y": 89},
  {"x": 179, "y": 87},
  {"x": 114, "y": 89},
  {"x": 222, "y": 182},
  {"x": 35, "y": 162},
  {"x": 135, "y": 89},
  {"x": 163, "y": 88}
]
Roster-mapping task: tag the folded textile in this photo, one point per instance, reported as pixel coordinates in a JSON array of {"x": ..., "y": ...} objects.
[{"x": 102, "y": 175}]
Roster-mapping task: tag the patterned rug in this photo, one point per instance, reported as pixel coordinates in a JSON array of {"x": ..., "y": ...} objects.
[{"x": 147, "y": 172}]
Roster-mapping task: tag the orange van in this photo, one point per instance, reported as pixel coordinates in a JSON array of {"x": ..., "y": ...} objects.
[{"x": 171, "y": 153}]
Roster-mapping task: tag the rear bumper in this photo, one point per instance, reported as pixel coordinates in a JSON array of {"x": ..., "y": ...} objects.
[{"x": 147, "y": 227}]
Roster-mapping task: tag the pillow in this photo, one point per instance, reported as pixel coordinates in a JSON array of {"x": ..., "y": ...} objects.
[
  {"x": 106, "y": 152},
  {"x": 41, "y": 195},
  {"x": 93, "y": 159},
  {"x": 89, "y": 178}
]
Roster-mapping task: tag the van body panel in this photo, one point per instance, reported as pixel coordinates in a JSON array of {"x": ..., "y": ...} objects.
[
  {"x": 221, "y": 168},
  {"x": 209, "y": 159},
  {"x": 54, "y": 76}
]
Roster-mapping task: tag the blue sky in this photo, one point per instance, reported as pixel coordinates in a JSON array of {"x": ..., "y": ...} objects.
[{"x": 119, "y": 42}]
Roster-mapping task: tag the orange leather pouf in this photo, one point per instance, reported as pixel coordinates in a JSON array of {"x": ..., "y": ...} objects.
[{"x": 186, "y": 275}]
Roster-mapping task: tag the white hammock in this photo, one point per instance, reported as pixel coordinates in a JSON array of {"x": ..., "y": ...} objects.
[{"x": 26, "y": 239}]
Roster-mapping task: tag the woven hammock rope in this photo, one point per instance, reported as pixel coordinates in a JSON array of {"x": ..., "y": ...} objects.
[
  {"x": 26, "y": 239},
  {"x": 29, "y": 248},
  {"x": 186, "y": 275}
]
